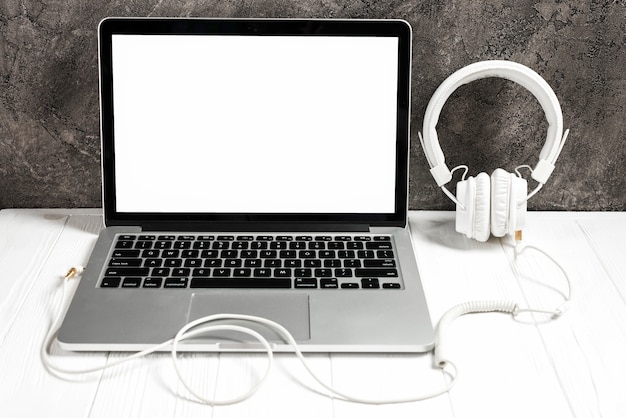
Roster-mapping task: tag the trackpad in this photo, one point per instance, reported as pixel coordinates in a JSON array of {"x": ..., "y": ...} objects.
[{"x": 289, "y": 310}]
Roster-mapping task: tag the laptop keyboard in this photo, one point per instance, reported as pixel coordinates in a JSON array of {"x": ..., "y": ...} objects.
[{"x": 252, "y": 261}]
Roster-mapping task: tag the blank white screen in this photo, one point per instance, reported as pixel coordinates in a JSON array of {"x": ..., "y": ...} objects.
[{"x": 254, "y": 124}]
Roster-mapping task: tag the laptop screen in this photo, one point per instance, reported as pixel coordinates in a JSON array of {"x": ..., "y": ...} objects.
[{"x": 231, "y": 122}]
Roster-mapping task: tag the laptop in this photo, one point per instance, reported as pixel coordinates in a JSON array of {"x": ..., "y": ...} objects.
[{"x": 253, "y": 167}]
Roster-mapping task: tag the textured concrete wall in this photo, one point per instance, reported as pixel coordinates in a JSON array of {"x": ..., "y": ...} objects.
[{"x": 49, "y": 139}]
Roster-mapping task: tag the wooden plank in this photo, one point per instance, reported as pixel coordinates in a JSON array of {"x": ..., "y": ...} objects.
[
  {"x": 493, "y": 352},
  {"x": 49, "y": 244}
]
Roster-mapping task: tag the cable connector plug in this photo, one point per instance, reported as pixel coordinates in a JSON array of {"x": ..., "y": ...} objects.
[{"x": 73, "y": 272}]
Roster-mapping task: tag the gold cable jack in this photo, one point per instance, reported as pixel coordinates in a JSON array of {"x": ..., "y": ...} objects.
[{"x": 73, "y": 272}]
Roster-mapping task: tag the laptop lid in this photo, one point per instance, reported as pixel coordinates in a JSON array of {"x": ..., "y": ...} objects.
[{"x": 273, "y": 124}]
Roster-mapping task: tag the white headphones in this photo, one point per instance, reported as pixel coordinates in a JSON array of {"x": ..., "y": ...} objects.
[{"x": 495, "y": 204}]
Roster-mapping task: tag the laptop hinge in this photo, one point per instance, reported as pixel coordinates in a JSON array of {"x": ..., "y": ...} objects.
[{"x": 255, "y": 227}]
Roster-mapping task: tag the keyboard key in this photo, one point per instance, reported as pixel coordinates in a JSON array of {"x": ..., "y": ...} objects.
[
  {"x": 349, "y": 285},
  {"x": 125, "y": 262},
  {"x": 228, "y": 254},
  {"x": 142, "y": 245},
  {"x": 233, "y": 262},
  {"x": 147, "y": 237},
  {"x": 375, "y": 272},
  {"x": 126, "y": 253},
  {"x": 159, "y": 272},
  {"x": 150, "y": 253},
  {"x": 182, "y": 245},
  {"x": 179, "y": 282},
  {"x": 370, "y": 283},
  {"x": 221, "y": 272},
  {"x": 125, "y": 244},
  {"x": 252, "y": 262},
  {"x": 213, "y": 262},
  {"x": 352, "y": 263},
  {"x": 378, "y": 245},
  {"x": 391, "y": 286},
  {"x": 379, "y": 263},
  {"x": 181, "y": 272},
  {"x": 172, "y": 262},
  {"x": 332, "y": 263},
  {"x": 343, "y": 272},
  {"x": 242, "y": 272},
  {"x": 127, "y": 271},
  {"x": 382, "y": 238},
  {"x": 193, "y": 262},
  {"x": 247, "y": 283},
  {"x": 170, "y": 253},
  {"x": 202, "y": 245},
  {"x": 201, "y": 272},
  {"x": 131, "y": 282},
  {"x": 268, "y": 254},
  {"x": 384, "y": 254},
  {"x": 240, "y": 245},
  {"x": 272, "y": 262},
  {"x": 110, "y": 282},
  {"x": 317, "y": 245},
  {"x": 282, "y": 272},
  {"x": 303, "y": 272},
  {"x": 263, "y": 272},
  {"x": 220, "y": 245},
  {"x": 311, "y": 262},
  {"x": 323, "y": 272},
  {"x": 305, "y": 283},
  {"x": 329, "y": 284},
  {"x": 163, "y": 245},
  {"x": 152, "y": 282},
  {"x": 152, "y": 262}
]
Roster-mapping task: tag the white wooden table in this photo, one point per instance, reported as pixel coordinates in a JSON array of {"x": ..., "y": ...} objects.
[{"x": 574, "y": 366}]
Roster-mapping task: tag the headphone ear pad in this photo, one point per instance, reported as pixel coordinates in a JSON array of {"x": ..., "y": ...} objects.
[
  {"x": 474, "y": 220},
  {"x": 507, "y": 192},
  {"x": 500, "y": 198}
]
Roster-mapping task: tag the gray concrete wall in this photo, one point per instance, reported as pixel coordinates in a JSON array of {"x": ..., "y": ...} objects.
[{"x": 49, "y": 139}]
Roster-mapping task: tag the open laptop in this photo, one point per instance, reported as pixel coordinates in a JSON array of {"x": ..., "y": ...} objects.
[{"x": 253, "y": 167}]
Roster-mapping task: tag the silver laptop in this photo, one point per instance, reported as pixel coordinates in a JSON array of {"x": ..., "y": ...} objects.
[{"x": 253, "y": 167}]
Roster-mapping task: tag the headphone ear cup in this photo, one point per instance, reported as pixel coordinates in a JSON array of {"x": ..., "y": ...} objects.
[
  {"x": 500, "y": 202},
  {"x": 507, "y": 192},
  {"x": 475, "y": 195}
]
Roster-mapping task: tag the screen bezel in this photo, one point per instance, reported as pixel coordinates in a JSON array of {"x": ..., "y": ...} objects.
[{"x": 263, "y": 27}]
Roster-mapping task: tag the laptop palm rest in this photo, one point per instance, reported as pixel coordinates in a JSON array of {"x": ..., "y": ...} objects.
[{"x": 289, "y": 310}]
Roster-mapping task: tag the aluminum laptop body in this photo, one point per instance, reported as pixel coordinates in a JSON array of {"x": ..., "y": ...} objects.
[{"x": 253, "y": 167}]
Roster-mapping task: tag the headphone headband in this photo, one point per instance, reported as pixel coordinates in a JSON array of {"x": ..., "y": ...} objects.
[{"x": 515, "y": 72}]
